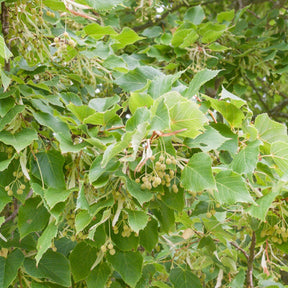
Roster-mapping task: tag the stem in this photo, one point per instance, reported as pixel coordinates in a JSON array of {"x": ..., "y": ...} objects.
[
  {"x": 249, "y": 276},
  {"x": 5, "y": 30}
]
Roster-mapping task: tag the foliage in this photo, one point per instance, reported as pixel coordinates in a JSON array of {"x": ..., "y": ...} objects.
[{"x": 134, "y": 151}]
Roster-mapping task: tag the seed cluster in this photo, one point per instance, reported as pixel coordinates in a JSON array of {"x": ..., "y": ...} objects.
[
  {"x": 108, "y": 246},
  {"x": 279, "y": 234},
  {"x": 160, "y": 174}
]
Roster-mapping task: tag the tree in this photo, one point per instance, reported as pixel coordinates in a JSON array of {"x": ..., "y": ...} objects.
[{"x": 136, "y": 144}]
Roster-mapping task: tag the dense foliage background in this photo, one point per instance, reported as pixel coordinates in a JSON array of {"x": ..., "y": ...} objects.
[{"x": 138, "y": 144}]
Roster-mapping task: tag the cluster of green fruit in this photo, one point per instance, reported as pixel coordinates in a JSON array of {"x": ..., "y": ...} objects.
[
  {"x": 16, "y": 184},
  {"x": 278, "y": 234},
  {"x": 108, "y": 247},
  {"x": 160, "y": 175}
]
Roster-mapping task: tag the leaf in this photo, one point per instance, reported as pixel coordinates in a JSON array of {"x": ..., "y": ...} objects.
[
  {"x": 135, "y": 190},
  {"x": 181, "y": 278},
  {"x": 225, "y": 16},
  {"x": 137, "y": 219},
  {"x": 279, "y": 152},
  {"x": 149, "y": 235},
  {"x": 5, "y": 80},
  {"x": 82, "y": 202},
  {"x": 5, "y": 164},
  {"x": 97, "y": 31},
  {"x": 81, "y": 112},
  {"x": 99, "y": 276},
  {"x": 231, "y": 189},
  {"x": 195, "y": 15},
  {"x": 174, "y": 200},
  {"x": 184, "y": 114},
  {"x": 199, "y": 80},
  {"x": 11, "y": 115},
  {"x": 4, "y": 199},
  {"x": 100, "y": 5},
  {"x": 160, "y": 118},
  {"x": 95, "y": 171},
  {"x": 237, "y": 101},
  {"x": 162, "y": 84},
  {"x": 136, "y": 79},
  {"x": 197, "y": 175},
  {"x": 9, "y": 267},
  {"x": 4, "y": 51},
  {"x": 49, "y": 168},
  {"x": 114, "y": 149},
  {"x": 263, "y": 205},
  {"x": 246, "y": 160},
  {"x": 230, "y": 112},
  {"x": 19, "y": 140},
  {"x": 44, "y": 241},
  {"x": 211, "y": 139},
  {"x": 5, "y": 105},
  {"x": 128, "y": 265},
  {"x": 54, "y": 196},
  {"x": 270, "y": 130},
  {"x": 137, "y": 100},
  {"x": 32, "y": 217},
  {"x": 81, "y": 259},
  {"x": 103, "y": 104},
  {"x": 140, "y": 116},
  {"x": 126, "y": 37},
  {"x": 53, "y": 266}
]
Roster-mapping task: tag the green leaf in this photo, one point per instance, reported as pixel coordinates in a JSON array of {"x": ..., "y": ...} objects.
[
  {"x": 100, "y": 5},
  {"x": 4, "y": 199},
  {"x": 99, "y": 276},
  {"x": 95, "y": 171},
  {"x": 32, "y": 217},
  {"x": 279, "y": 152},
  {"x": 19, "y": 140},
  {"x": 53, "y": 196},
  {"x": 195, "y": 15},
  {"x": 116, "y": 148},
  {"x": 137, "y": 100},
  {"x": 230, "y": 112},
  {"x": 53, "y": 266},
  {"x": 5, "y": 164},
  {"x": 140, "y": 116},
  {"x": 82, "y": 220},
  {"x": 135, "y": 190},
  {"x": 162, "y": 84},
  {"x": 98, "y": 31},
  {"x": 5, "y": 105},
  {"x": 263, "y": 205},
  {"x": 4, "y": 51},
  {"x": 103, "y": 104},
  {"x": 149, "y": 235},
  {"x": 82, "y": 202},
  {"x": 49, "y": 168},
  {"x": 181, "y": 278},
  {"x": 9, "y": 267},
  {"x": 126, "y": 37},
  {"x": 44, "y": 241},
  {"x": 270, "y": 130},
  {"x": 184, "y": 38},
  {"x": 137, "y": 219},
  {"x": 136, "y": 79},
  {"x": 211, "y": 139},
  {"x": 5, "y": 80},
  {"x": 197, "y": 175},
  {"x": 225, "y": 16},
  {"x": 81, "y": 112},
  {"x": 184, "y": 114},
  {"x": 199, "y": 80},
  {"x": 81, "y": 259},
  {"x": 231, "y": 188},
  {"x": 8, "y": 118},
  {"x": 246, "y": 160},
  {"x": 128, "y": 265},
  {"x": 160, "y": 118},
  {"x": 174, "y": 200}
]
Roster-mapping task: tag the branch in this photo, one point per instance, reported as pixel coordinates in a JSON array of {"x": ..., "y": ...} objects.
[
  {"x": 240, "y": 249},
  {"x": 249, "y": 276},
  {"x": 258, "y": 94}
]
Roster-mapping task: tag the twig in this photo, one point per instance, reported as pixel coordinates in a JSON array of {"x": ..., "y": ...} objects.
[
  {"x": 249, "y": 276},
  {"x": 240, "y": 249}
]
